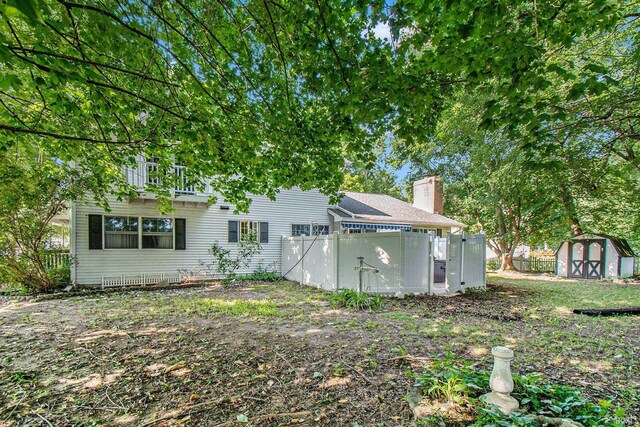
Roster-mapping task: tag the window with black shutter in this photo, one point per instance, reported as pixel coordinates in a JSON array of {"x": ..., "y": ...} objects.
[
  {"x": 95, "y": 231},
  {"x": 181, "y": 234},
  {"x": 264, "y": 232},
  {"x": 233, "y": 231}
]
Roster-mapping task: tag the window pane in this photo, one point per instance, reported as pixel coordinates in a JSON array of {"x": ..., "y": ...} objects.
[
  {"x": 157, "y": 233},
  {"x": 120, "y": 223},
  {"x": 157, "y": 241},
  {"x": 148, "y": 225},
  {"x": 115, "y": 240},
  {"x": 165, "y": 225},
  {"x": 248, "y": 230},
  {"x": 114, "y": 223},
  {"x": 120, "y": 232},
  {"x": 300, "y": 230},
  {"x": 319, "y": 230}
]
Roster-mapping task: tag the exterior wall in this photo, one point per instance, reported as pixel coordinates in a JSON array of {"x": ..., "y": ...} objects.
[
  {"x": 626, "y": 266},
  {"x": 204, "y": 226},
  {"x": 562, "y": 258},
  {"x": 610, "y": 261}
]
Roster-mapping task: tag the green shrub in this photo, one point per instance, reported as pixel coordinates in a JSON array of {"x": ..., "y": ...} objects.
[
  {"x": 261, "y": 274},
  {"x": 461, "y": 383},
  {"x": 228, "y": 264},
  {"x": 353, "y": 300},
  {"x": 265, "y": 276}
]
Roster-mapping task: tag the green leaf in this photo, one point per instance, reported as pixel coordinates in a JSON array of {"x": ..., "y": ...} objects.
[{"x": 29, "y": 9}]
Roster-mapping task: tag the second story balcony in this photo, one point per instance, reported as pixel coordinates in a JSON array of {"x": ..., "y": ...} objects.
[{"x": 146, "y": 174}]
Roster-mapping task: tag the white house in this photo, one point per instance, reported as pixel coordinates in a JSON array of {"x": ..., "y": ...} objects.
[
  {"x": 134, "y": 243},
  {"x": 595, "y": 256}
]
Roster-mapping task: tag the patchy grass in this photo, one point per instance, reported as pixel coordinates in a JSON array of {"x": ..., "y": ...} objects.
[
  {"x": 208, "y": 307},
  {"x": 563, "y": 294},
  {"x": 259, "y": 349}
]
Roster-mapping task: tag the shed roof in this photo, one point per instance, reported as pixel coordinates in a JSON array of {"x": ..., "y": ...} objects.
[
  {"x": 621, "y": 245},
  {"x": 368, "y": 207}
]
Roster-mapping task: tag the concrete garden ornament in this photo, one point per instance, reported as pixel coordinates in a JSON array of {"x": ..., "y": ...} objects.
[{"x": 501, "y": 381}]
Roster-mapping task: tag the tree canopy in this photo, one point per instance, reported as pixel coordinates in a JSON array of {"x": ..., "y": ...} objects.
[
  {"x": 259, "y": 94},
  {"x": 264, "y": 94}
]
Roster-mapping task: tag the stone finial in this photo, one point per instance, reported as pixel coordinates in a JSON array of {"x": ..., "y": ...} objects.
[{"x": 501, "y": 381}]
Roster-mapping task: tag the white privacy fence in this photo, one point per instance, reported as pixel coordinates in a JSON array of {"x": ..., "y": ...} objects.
[{"x": 404, "y": 261}]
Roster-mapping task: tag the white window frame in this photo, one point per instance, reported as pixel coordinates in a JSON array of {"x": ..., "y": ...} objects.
[
  {"x": 315, "y": 229},
  {"x": 156, "y": 233},
  {"x": 105, "y": 232},
  {"x": 301, "y": 225},
  {"x": 139, "y": 233},
  {"x": 252, "y": 227}
]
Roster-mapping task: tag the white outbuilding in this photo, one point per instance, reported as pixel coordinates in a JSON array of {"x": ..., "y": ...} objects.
[{"x": 595, "y": 256}]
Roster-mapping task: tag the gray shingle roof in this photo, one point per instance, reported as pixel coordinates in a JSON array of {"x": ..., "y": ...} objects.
[
  {"x": 621, "y": 245},
  {"x": 387, "y": 209}
]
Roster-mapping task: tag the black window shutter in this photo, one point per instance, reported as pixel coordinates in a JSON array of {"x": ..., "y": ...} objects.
[
  {"x": 95, "y": 231},
  {"x": 181, "y": 234},
  {"x": 233, "y": 231},
  {"x": 264, "y": 232}
]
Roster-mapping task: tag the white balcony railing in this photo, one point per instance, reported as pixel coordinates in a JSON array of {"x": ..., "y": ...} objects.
[{"x": 146, "y": 173}]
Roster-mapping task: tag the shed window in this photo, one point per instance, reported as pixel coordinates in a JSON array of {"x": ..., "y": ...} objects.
[
  {"x": 120, "y": 232},
  {"x": 300, "y": 230},
  {"x": 157, "y": 233}
]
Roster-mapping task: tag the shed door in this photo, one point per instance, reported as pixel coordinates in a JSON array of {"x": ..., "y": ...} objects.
[
  {"x": 594, "y": 262},
  {"x": 576, "y": 260},
  {"x": 587, "y": 259}
]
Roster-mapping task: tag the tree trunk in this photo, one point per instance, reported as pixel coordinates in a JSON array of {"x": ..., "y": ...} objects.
[
  {"x": 507, "y": 262},
  {"x": 572, "y": 212}
]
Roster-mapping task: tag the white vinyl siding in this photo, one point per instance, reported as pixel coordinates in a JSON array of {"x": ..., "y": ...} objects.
[{"x": 205, "y": 225}]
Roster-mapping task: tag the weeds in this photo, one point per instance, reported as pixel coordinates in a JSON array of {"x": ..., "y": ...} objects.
[
  {"x": 460, "y": 383},
  {"x": 353, "y": 300}
]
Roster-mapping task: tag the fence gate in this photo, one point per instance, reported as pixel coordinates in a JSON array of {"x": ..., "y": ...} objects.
[
  {"x": 453, "y": 281},
  {"x": 466, "y": 262}
]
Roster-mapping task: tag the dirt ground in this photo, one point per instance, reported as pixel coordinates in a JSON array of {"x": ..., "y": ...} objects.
[{"x": 277, "y": 354}]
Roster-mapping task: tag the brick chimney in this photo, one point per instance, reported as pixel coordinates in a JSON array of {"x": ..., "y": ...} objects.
[{"x": 428, "y": 194}]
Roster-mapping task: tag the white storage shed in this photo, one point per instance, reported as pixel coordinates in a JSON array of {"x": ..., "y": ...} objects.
[{"x": 595, "y": 256}]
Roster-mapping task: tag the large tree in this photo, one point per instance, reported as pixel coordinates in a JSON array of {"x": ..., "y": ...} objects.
[
  {"x": 492, "y": 185},
  {"x": 538, "y": 59},
  {"x": 258, "y": 94},
  {"x": 264, "y": 94}
]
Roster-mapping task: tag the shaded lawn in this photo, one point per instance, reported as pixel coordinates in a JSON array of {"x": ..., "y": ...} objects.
[{"x": 276, "y": 353}]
